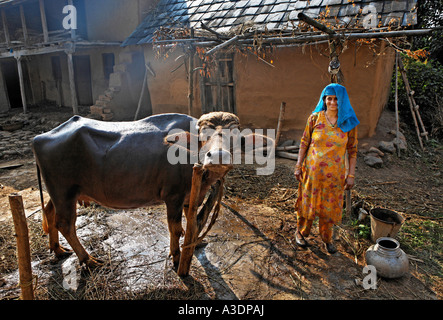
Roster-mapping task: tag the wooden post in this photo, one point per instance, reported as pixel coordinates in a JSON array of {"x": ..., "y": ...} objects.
[
  {"x": 191, "y": 223},
  {"x": 23, "y": 250},
  {"x": 72, "y": 83},
  {"x": 411, "y": 106},
  {"x": 279, "y": 123},
  {"x": 397, "y": 127},
  {"x": 347, "y": 192},
  {"x": 24, "y": 27},
  {"x": 22, "y": 83},
  {"x": 6, "y": 28},
  {"x": 43, "y": 18},
  {"x": 142, "y": 93},
  {"x": 72, "y": 30},
  {"x": 191, "y": 75}
]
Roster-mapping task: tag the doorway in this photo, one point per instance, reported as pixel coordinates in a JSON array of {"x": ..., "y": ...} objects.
[
  {"x": 12, "y": 83},
  {"x": 217, "y": 92},
  {"x": 82, "y": 78}
]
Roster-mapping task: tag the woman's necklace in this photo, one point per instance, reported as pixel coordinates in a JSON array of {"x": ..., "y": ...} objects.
[{"x": 332, "y": 125}]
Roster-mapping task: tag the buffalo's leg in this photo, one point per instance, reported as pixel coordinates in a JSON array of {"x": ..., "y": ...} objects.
[
  {"x": 65, "y": 222},
  {"x": 174, "y": 214},
  {"x": 50, "y": 228}
]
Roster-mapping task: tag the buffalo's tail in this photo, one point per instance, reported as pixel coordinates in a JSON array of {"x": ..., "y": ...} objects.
[{"x": 44, "y": 219}]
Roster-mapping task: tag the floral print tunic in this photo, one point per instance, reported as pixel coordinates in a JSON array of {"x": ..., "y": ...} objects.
[{"x": 324, "y": 170}]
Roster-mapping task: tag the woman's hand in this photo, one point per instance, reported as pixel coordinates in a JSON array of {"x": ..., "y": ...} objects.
[
  {"x": 298, "y": 174},
  {"x": 349, "y": 182}
]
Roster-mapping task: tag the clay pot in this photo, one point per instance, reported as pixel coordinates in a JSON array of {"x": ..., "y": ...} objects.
[{"x": 388, "y": 259}]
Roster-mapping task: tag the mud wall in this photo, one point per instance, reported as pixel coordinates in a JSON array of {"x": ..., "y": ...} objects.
[
  {"x": 297, "y": 78},
  {"x": 169, "y": 86}
]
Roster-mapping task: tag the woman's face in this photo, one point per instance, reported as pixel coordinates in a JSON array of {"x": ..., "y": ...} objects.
[{"x": 331, "y": 103}]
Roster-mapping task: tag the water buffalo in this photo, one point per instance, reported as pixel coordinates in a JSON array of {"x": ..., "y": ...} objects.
[{"x": 125, "y": 165}]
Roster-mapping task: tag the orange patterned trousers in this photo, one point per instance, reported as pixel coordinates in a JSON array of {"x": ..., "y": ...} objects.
[{"x": 325, "y": 228}]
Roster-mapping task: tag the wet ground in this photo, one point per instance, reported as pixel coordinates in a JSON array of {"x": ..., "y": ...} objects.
[{"x": 250, "y": 252}]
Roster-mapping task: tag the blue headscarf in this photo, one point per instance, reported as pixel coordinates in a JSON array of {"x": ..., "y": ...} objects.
[{"x": 347, "y": 120}]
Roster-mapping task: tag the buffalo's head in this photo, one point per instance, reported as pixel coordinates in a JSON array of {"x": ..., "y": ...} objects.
[{"x": 217, "y": 142}]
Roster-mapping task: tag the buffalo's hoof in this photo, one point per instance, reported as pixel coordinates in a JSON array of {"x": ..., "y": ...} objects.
[
  {"x": 92, "y": 262},
  {"x": 62, "y": 252},
  {"x": 331, "y": 248}
]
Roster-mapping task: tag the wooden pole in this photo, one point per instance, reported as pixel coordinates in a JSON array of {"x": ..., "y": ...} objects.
[
  {"x": 24, "y": 27},
  {"x": 22, "y": 83},
  {"x": 191, "y": 75},
  {"x": 44, "y": 22},
  {"x": 72, "y": 84},
  {"x": 23, "y": 250},
  {"x": 279, "y": 123},
  {"x": 347, "y": 192},
  {"x": 397, "y": 126},
  {"x": 407, "y": 87},
  {"x": 191, "y": 223},
  {"x": 70, "y": 2},
  {"x": 6, "y": 28},
  {"x": 142, "y": 93}
]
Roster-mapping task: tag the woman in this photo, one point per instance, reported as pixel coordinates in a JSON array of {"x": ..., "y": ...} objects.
[{"x": 331, "y": 130}]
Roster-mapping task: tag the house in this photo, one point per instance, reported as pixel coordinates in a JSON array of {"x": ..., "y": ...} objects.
[
  {"x": 129, "y": 59},
  {"x": 68, "y": 53},
  {"x": 287, "y": 60}
]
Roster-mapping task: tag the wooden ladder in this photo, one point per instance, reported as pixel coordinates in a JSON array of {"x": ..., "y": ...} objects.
[{"x": 413, "y": 106}]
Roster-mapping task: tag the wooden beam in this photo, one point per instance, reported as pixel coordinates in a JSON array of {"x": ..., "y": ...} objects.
[
  {"x": 24, "y": 28},
  {"x": 222, "y": 45},
  {"x": 5, "y": 28},
  {"x": 72, "y": 83},
  {"x": 315, "y": 23},
  {"x": 22, "y": 83},
  {"x": 44, "y": 22},
  {"x": 288, "y": 40}
]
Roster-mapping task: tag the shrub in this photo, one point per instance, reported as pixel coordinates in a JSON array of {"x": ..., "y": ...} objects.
[{"x": 426, "y": 80}]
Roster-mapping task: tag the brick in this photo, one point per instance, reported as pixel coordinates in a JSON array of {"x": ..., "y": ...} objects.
[
  {"x": 107, "y": 110},
  {"x": 103, "y": 97},
  {"x": 109, "y": 93},
  {"x": 102, "y": 103},
  {"x": 96, "y": 109},
  {"x": 107, "y": 116}
]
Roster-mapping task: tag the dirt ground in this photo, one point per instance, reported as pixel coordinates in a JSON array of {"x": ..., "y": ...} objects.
[{"x": 250, "y": 252}]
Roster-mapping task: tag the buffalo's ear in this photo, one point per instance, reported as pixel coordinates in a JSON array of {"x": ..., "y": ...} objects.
[{"x": 181, "y": 138}]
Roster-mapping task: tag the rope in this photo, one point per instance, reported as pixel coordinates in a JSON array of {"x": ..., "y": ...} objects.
[{"x": 29, "y": 283}]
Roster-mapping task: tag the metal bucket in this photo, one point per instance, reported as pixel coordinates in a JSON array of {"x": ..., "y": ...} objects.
[{"x": 385, "y": 223}]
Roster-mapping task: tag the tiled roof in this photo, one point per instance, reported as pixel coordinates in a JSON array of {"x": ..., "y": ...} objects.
[
  {"x": 10, "y": 2},
  {"x": 223, "y": 15}
]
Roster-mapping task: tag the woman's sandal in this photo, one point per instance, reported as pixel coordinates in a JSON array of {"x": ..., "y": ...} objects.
[{"x": 300, "y": 240}]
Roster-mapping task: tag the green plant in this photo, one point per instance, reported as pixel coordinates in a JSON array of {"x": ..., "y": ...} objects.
[{"x": 425, "y": 79}]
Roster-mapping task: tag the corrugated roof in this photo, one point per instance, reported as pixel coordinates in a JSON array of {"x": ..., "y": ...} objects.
[{"x": 224, "y": 15}]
